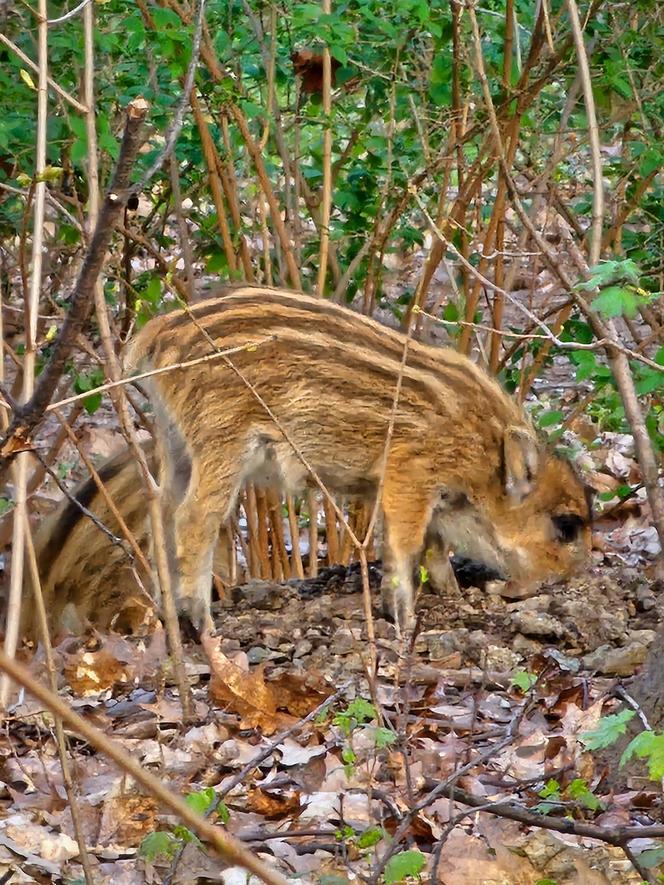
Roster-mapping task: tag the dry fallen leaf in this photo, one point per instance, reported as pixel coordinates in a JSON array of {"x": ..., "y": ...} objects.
[
  {"x": 127, "y": 819},
  {"x": 273, "y": 804},
  {"x": 247, "y": 693}
]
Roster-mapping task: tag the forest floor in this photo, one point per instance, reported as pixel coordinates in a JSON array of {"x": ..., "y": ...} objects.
[{"x": 320, "y": 799}]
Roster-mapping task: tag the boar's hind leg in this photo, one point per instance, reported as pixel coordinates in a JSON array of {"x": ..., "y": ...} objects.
[{"x": 407, "y": 511}]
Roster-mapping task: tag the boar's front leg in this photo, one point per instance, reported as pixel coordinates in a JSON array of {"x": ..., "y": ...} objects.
[
  {"x": 207, "y": 505},
  {"x": 436, "y": 560},
  {"x": 407, "y": 512}
]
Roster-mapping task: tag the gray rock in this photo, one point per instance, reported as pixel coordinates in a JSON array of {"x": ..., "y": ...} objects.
[
  {"x": 537, "y": 623},
  {"x": 616, "y": 661},
  {"x": 645, "y": 598},
  {"x": 524, "y": 646},
  {"x": 303, "y": 647},
  {"x": 440, "y": 645},
  {"x": 497, "y": 657},
  {"x": 258, "y": 654}
]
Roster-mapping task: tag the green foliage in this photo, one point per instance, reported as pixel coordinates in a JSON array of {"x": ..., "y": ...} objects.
[
  {"x": 358, "y": 712},
  {"x": 611, "y": 272},
  {"x": 648, "y": 745},
  {"x": 618, "y": 282},
  {"x": 608, "y": 730},
  {"x": 384, "y": 737},
  {"x": 578, "y": 791},
  {"x": 523, "y": 680},
  {"x": 88, "y": 381},
  {"x": 166, "y": 843},
  {"x": 370, "y": 837},
  {"x": 160, "y": 844},
  {"x": 651, "y": 857},
  {"x": 405, "y": 865},
  {"x": 357, "y": 715},
  {"x": 551, "y": 793},
  {"x": 363, "y": 840},
  {"x": 349, "y": 758},
  {"x": 203, "y": 801}
]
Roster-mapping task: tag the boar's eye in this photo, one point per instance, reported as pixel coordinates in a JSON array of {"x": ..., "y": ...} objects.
[{"x": 568, "y": 526}]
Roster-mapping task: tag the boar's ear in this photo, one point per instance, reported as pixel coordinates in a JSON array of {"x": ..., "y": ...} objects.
[{"x": 520, "y": 462}]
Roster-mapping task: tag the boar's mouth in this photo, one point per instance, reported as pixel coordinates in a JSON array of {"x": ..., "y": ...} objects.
[
  {"x": 471, "y": 573},
  {"x": 470, "y": 534}
]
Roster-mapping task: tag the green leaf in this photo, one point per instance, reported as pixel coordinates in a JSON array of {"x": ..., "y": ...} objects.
[
  {"x": 202, "y": 801},
  {"x": 647, "y": 745},
  {"x": 550, "y": 790},
  {"x": 578, "y": 790},
  {"x": 384, "y": 737},
  {"x": 27, "y": 79},
  {"x": 357, "y": 713},
  {"x": 88, "y": 381},
  {"x": 161, "y": 844},
  {"x": 650, "y": 380},
  {"x": 651, "y": 857},
  {"x": 403, "y": 865},
  {"x": 152, "y": 292},
  {"x": 223, "y": 813},
  {"x": 616, "y": 301},
  {"x": 349, "y": 759},
  {"x": 370, "y": 837},
  {"x": 184, "y": 834},
  {"x": 651, "y": 161},
  {"x": 600, "y": 275},
  {"x": 548, "y": 419},
  {"x": 523, "y": 680},
  {"x": 609, "y": 729},
  {"x": 586, "y": 363},
  {"x": 91, "y": 403}
]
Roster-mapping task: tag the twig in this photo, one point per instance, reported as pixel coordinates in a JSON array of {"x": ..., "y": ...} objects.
[
  {"x": 185, "y": 240},
  {"x": 621, "y": 693},
  {"x": 446, "y": 787},
  {"x": 96, "y": 478},
  {"x": 618, "y": 835},
  {"x": 616, "y": 353},
  {"x": 25, "y": 193},
  {"x": 71, "y": 14},
  {"x": 84, "y": 510},
  {"x": 602, "y": 343}
]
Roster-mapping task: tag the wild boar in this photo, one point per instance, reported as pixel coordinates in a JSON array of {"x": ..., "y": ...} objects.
[{"x": 308, "y": 390}]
